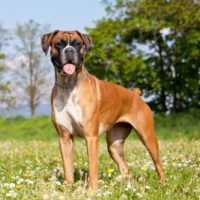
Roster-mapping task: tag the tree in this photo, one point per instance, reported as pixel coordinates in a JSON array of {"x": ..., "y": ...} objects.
[
  {"x": 31, "y": 75},
  {"x": 165, "y": 39},
  {"x": 5, "y": 91}
]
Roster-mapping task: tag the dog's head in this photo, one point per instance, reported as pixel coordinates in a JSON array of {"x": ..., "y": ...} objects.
[{"x": 67, "y": 49}]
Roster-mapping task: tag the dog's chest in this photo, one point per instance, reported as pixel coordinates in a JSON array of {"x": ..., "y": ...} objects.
[{"x": 67, "y": 111}]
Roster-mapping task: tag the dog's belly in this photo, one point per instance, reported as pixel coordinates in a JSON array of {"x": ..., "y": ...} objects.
[{"x": 68, "y": 113}]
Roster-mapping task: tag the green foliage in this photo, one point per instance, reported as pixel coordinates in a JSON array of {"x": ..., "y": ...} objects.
[
  {"x": 5, "y": 92},
  {"x": 153, "y": 45}
]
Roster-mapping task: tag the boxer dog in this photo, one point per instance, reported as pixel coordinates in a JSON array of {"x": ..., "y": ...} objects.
[{"x": 84, "y": 106}]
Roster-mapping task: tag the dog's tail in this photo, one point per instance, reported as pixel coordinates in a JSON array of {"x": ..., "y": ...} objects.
[{"x": 137, "y": 91}]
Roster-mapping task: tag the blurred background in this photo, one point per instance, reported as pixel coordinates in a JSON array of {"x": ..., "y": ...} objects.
[{"x": 153, "y": 45}]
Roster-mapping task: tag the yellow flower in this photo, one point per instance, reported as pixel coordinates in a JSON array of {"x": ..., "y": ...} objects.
[
  {"x": 193, "y": 138},
  {"x": 144, "y": 168},
  {"x": 173, "y": 163},
  {"x": 20, "y": 186},
  {"x": 26, "y": 175},
  {"x": 180, "y": 156},
  {"x": 199, "y": 159},
  {"x": 55, "y": 158},
  {"x": 109, "y": 171},
  {"x": 10, "y": 152}
]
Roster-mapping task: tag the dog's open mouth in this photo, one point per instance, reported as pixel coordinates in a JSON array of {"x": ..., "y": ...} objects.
[{"x": 69, "y": 68}]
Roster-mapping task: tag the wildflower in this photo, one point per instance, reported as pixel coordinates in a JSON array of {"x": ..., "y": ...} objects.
[
  {"x": 109, "y": 171},
  {"x": 20, "y": 186},
  {"x": 180, "y": 156},
  {"x": 124, "y": 196},
  {"x": 199, "y": 160},
  {"x": 147, "y": 187},
  {"x": 26, "y": 175},
  {"x": 173, "y": 163},
  {"x": 12, "y": 186},
  {"x": 139, "y": 195},
  {"x": 61, "y": 197},
  {"x": 55, "y": 158},
  {"x": 11, "y": 194},
  {"x": 20, "y": 181},
  {"x": 193, "y": 139},
  {"x": 29, "y": 181},
  {"x": 45, "y": 196},
  {"x": 6, "y": 184},
  {"x": 10, "y": 152},
  {"x": 129, "y": 186},
  {"x": 58, "y": 183},
  {"x": 144, "y": 168}
]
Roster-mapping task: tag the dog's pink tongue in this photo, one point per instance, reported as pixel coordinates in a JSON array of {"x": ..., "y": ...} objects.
[{"x": 69, "y": 68}]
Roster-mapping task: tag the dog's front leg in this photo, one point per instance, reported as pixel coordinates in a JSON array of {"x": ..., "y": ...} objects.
[
  {"x": 67, "y": 153},
  {"x": 92, "y": 149}
]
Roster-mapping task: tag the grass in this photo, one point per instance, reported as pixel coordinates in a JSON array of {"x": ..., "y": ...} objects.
[
  {"x": 31, "y": 166},
  {"x": 33, "y": 170}
]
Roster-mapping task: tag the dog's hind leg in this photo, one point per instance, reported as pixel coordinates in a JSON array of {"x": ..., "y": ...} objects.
[
  {"x": 115, "y": 142},
  {"x": 143, "y": 123}
]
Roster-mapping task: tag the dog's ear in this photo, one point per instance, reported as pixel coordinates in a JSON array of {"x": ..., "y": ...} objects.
[
  {"x": 46, "y": 40},
  {"x": 86, "y": 40}
]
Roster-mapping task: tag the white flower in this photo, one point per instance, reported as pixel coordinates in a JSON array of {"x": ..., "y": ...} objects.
[
  {"x": 6, "y": 184},
  {"x": 129, "y": 186},
  {"x": 12, "y": 185},
  {"x": 45, "y": 196},
  {"x": 21, "y": 180},
  {"x": 8, "y": 194},
  {"x": 58, "y": 183},
  {"x": 29, "y": 181},
  {"x": 147, "y": 187},
  {"x": 139, "y": 195},
  {"x": 11, "y": 194},
  {"x": 61, "y": 197}
]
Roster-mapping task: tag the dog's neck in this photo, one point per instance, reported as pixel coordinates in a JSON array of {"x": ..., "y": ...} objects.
[{"x": 69, "y": 81}]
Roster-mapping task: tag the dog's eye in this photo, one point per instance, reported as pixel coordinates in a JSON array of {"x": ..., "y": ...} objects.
[
  {"x": 76, "y": 43},
  {"x": 60, "y": 43}
]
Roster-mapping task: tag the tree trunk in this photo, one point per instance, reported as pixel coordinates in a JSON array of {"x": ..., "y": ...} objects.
[
  {"x": 32, "y": 112},
  {"x": 163, "y": 100},
  {"x": 162, "y": 95}
]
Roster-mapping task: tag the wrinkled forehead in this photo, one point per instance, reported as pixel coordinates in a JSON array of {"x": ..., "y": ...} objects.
[{"x": 66, "y": 35}]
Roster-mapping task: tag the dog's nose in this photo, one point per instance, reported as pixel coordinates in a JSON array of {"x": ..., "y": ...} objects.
[{"x": 69, "y": 51}]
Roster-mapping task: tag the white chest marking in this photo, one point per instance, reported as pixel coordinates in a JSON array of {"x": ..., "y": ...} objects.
[{"x": 67, "y": 111}]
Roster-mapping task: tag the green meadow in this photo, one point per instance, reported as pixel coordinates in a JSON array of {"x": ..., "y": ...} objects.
[{"x": 31, "y": 166}]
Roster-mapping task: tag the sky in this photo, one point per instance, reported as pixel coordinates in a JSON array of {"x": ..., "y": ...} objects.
[{"x": 60, "y": 14}]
